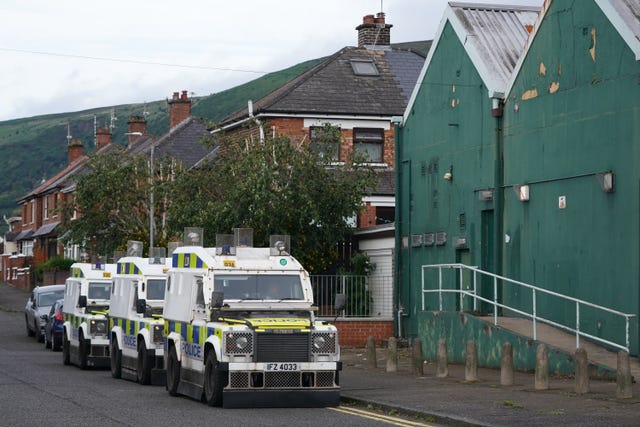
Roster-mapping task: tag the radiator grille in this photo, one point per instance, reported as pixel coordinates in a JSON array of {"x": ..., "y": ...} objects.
[
  {"x": 273, "y": 347},
  {"x": 238, "y": 379}
]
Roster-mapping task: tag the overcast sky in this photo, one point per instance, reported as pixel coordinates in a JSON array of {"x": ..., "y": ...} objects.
[{"x": 61, "y": 56}]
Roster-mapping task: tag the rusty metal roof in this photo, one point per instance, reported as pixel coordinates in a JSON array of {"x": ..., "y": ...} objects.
[{"x": 494, "y": 36}]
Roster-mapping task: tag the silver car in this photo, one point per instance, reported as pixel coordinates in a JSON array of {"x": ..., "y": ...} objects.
[{"x": 38, "y": 306}]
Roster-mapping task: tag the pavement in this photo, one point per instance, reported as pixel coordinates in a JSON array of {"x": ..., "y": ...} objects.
[{"x": 454, "y": 401}]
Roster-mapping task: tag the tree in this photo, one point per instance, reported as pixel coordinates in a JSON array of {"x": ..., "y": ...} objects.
[
  {"x": 275, "y": 186},
  {"x": 112, "y": 199}
]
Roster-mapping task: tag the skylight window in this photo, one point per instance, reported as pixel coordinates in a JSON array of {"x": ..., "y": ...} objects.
[{"x": 363, "y": 67}]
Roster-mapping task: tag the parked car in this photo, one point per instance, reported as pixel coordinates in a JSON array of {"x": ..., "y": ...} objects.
[
  {"x": 54, "y": 327},
  {"x": 38, "y": 306}
]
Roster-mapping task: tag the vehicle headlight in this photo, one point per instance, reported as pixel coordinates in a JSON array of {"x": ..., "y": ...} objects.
[
  {"x": 158, "y": 333},
  {"x": 238, "y": 343},
  {"x": 98, "y": 327},
  {"x": 323, "y": 342}
]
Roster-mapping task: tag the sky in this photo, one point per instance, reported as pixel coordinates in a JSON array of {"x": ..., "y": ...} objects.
[{"x": 72, "y": 55}]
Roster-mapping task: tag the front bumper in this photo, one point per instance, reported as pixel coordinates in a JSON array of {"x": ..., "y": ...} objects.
[{"x": 280, "y": 398}]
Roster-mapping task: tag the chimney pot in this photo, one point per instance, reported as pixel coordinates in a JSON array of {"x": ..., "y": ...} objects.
[
  {"x": 374, "y": 31},
  {"x": 103, "y": 138},
  {"x": 179, "y": 108},
  {"x": 368, "y": 19}
]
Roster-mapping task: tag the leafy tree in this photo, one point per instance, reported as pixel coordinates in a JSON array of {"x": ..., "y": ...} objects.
[
  {"x": 275, "y": 186},
  {"x": 112, "y": 198}
]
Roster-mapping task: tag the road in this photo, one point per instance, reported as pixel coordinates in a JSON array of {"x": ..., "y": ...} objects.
[{"x": 36, "y": 389}]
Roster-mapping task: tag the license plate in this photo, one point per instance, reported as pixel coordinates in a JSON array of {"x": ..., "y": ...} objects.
[{"x": 282, "y": 367}]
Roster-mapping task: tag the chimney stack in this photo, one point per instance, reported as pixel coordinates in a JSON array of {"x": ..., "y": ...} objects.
[
  {"x": 179, "y": 108},
  {"x": 103, "y": 138},
  {"x": 136, "y": 127},
  {"x": 75, "y": 150},
  {"x": 373, "y": 31}
]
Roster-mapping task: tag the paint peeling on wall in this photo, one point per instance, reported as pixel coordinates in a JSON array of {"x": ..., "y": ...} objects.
[
  {"x": 529, "y": 94},
  {"x": 592, "y": 49},
  {"x": 553, "y": 87}
]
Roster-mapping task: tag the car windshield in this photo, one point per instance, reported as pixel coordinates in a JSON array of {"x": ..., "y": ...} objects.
[
  {"x": 259, "y": 286},
  {"x": 155, "y": 289},
  {"x": 47, "y": 298},
  {"x": 99, "y": 290}
]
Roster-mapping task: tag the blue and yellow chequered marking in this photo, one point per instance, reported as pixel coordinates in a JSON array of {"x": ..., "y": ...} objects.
[
  {"x": 187, "y": 260},
  {"x": 127, "y": 268},
  {"x": 77, "y": 272},
  {"x": 130, "y": 328}
]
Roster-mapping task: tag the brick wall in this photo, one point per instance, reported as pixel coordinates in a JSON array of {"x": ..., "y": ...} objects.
[
  {"x": 367, "y": 217},
  {"x": 354, "y": 333},
  {"x": 15, "y": 271}
]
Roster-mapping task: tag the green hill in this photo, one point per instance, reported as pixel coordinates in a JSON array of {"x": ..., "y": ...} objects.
[{"x": 34, "y": 148}]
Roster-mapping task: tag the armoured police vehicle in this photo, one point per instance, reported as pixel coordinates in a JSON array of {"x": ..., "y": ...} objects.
[
  {"x": 135, "y": 319},
  {"x": 85, "y": 340},
  {"x": 241, "y": 330}
]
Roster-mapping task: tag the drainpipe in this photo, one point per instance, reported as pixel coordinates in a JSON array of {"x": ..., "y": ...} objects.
[
  {"x": 497, "y": 112},
  {"x": 397, "y": 123}
]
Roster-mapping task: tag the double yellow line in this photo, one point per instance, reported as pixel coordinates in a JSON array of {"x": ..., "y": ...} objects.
[{"x": 371, "y": 415}]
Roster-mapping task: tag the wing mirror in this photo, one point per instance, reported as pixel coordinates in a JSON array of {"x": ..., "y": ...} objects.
[
  {"x": 217, "y": 299},
  {"x": 82, "y": 301},
  {"x": 141, "y": 306}
]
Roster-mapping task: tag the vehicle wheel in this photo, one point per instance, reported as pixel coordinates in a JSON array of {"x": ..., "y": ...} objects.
[
  {"x": 173, "y": 372},
  {"x": 82, "y": 351},
  {"x": 144, "y": 364},
  {"x": 214, "y": 380},
  {"x": 66, "y": 359},
  {"x": 36, "y": 328},
  {"x": 30, "y": 333},
  {"x": 116, "y": 359}
]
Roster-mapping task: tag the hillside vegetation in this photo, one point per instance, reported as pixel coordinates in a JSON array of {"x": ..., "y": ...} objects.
[{"x": 35, "y": 148}]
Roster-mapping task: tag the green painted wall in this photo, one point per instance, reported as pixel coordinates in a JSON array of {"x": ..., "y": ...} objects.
[
  {"x": 574, "y": 111},
  {"x": 449, "y": 129},
  {"x": 459, "y": 328}
]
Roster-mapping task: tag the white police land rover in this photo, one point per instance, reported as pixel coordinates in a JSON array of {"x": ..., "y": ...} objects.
[
  {"x": 135, "y": 319},
  {"x": 85, "y": 340},
  {"x": 241, "y": 329}
]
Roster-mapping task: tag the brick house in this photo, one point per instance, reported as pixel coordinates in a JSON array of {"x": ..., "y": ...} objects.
[
  {"x": 359, "y": 90},
  {"x": 37, "y": 239}
]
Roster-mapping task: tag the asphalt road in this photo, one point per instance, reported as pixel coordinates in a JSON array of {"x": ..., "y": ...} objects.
[{"x": 36, "y": 389}]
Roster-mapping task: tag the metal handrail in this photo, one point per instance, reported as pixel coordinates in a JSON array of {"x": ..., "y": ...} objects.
[{"x": 533, "y": 315}]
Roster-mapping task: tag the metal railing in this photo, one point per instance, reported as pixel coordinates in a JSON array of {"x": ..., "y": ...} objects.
[
  {"x": 470, "y": 290},
  {"x": 366, "y": 296}
]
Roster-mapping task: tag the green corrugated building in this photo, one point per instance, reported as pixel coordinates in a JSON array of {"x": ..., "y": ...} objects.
[{"x": 518, "y": 155}]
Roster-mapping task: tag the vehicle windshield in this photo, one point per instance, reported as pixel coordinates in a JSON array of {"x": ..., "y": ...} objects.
[
  {"x": 259, "y": 286},
  {"x": 99, "y": 290},
  {"x": 46, "y": 299},
  {"x": 155, "y": 289}
]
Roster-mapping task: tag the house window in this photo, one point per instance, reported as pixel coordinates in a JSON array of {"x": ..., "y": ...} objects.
[
  {"x": 364, "y": 67},
  {"x": 385, "y": 214},
  {"x": 325, "y": 142},
  {"x": 33, "y": 211},
  {"x": 27, "y": 248},
  {"x": 46, "y": 207},
  {"x": 55, "y": 204},
  {"x": 367, "y": 145}
]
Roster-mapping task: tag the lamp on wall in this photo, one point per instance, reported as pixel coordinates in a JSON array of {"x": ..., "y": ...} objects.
[
  {"x": 522, "y": 191},
  {"x": 448, "y": 175},
  {"x": 606, "y": 181}
]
